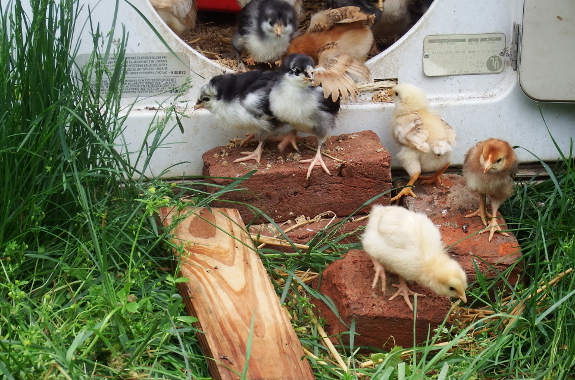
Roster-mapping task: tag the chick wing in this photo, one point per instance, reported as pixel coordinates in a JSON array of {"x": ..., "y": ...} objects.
[
  {"x": 338, "y": 40},
  {"x": 410, "y": 131}
]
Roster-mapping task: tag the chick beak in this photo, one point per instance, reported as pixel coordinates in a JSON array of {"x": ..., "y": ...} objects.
[
  {"x": 462, "y": 297},
  {"x": 278, "y": 30},
  {"x": 390, "y": 91},
  {"x": 308, "y": 74},
  {"x": 487, "y": 165},
  {"x": 198, "y": 106}
]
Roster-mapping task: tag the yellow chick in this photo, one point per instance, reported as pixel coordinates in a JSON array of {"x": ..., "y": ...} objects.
[
  {"x": 489, "y": 168},
  {"x": 409, "y": 244},
  {"x": 426, "y": 139},
  {"x": 179, "y": 15}
]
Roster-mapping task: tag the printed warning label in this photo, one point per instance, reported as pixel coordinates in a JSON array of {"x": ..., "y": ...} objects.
[
  {"x": 459, "y": 54},
  {"x": 147, "y": 74}
]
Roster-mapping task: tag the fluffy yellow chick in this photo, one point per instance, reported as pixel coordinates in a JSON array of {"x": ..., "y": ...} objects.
[
  {"x": 489, "y": 168},
  {"x": 426, "y": 139},
  {"x": 179, "y": 15},
  {"x": 408, "y": 244}
]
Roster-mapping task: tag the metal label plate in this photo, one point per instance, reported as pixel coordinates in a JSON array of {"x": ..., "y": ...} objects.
[
  {"x": 460, "y": 54},
  {"x": 148, "y": 74}
]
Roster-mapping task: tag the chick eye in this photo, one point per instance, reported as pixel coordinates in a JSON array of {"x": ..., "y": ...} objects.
[
  {"x": 396, "y": 94},
  {"x": 498, "y": 161},
  {"x": 451, "y": 289},
  {"x": 296, "y": 70},
  {"x": 271, "y": 22},
  {"x": 206, "y": 99}
]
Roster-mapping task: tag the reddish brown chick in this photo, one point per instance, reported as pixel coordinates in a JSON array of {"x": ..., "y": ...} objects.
[
  {"x": 354, "y": 38},
  {"x": 489, "y": 168},
  {"x": 338, "y": 40}
]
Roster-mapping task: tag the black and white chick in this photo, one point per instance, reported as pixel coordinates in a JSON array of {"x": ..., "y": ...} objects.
[
  {"x": 265, "y": 30},
  {"x": 296, "y": 4},
  {"x": 240, "y": 102},
  {"x": 296, "y": 101}
]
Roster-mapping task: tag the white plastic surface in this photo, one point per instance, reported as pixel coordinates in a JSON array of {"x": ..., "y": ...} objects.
[
  {"x": 476, "y": 106},
  {"x": 548, "y": 50}
]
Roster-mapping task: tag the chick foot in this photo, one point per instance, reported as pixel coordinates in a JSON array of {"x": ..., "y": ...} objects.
[
  {"x": 249, "y": 137},
  {"x": 431, "y": 179},
  {"x": 408, "y": 190},
  {"x": 435, "y": 178},
  {"x": 492, "y": 227},
  {"x": 404, "y": 291},
  {"x": 241, "y": 68},
  {"x": 404, "y": 192},
  {"x": 255, "y": 155},
  {"x": 481, "y": 211},
  {"x": 379, "y": 273},
  {"x": 289, "y": 138},
  {"x": 318, "y": 159}
]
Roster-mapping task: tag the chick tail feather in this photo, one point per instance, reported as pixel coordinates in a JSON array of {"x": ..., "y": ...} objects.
[
  {"x": 336, "y": 76},
  {"x": 326, "y": 19}
]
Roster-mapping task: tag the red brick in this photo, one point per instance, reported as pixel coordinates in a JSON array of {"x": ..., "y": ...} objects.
[
  {"x": 378, "y": 321},
  {"x": 280, "y": 188},
  {"x": 382, "y": 322},
  {"x": 446, "y": 205}
]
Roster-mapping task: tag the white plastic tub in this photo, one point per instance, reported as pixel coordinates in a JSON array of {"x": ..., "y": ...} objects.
[{"x": 476, "y": 106}]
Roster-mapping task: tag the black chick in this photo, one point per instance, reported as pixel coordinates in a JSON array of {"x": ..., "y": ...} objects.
[
  {"x": 265, "y": 30},
  {"x": 294, "y": 100},
  {"x": 240, "y": 102}
]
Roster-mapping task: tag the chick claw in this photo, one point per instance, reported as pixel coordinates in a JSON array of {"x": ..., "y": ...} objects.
[
  {"x": 404, "y": 291},
  {"x": 428, "y": 180},
  {"x": 315, "y": 161},
  {"x": 249, "y": 156},
  {"x": 241, "y": 68},
  {"x": 492, "y": 227},
  {"x": 404, "y": 192},
  {"x": 479, "y": 212},
  {"x": 289, "y": 138},
  {"x": 482, "y": 213},
  {"x": 379, "y": 273},
  {"x": 255, "y": 155},
  {"x": 249, "y": 137}
]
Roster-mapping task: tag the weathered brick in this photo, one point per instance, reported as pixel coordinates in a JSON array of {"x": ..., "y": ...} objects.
[
  {"x": 378, "y": 321},
  {"x": 447, "y": 206},
  {"x": 280, "y": 188},
  {"x": 382, "y": 322}
]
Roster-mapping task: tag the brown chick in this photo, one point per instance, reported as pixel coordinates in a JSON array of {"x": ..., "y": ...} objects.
[
  {"x": 179, "y": 15},
  {"x": 409, "y": 244},
  {"x": 489, "y": 168},
  {"x": 426, "y": 139},
  {"x": 338, "y": 40}
]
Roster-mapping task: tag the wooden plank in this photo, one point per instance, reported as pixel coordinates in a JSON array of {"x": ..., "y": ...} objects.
[{"x": 227, "y": 286}]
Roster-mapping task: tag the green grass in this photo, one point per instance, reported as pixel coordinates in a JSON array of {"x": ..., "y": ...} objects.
[{"x": 87, "y": 291}]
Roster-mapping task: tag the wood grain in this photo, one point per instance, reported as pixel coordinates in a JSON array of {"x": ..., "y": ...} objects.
[{"x": 227, "y": 286}]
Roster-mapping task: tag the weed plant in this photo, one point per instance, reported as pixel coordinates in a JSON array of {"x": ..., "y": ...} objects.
[{"x": 86, "y": 290}]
